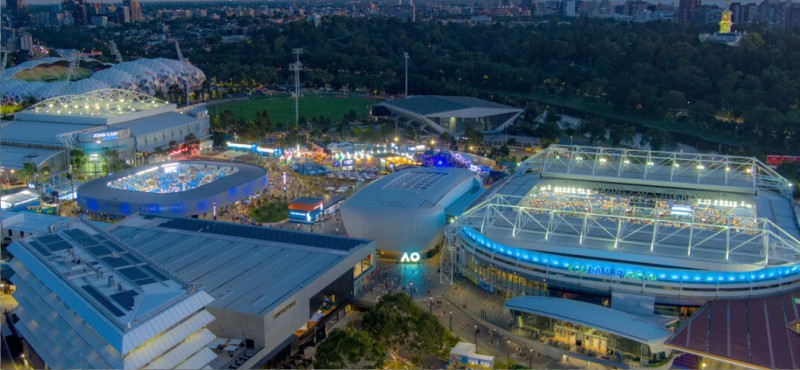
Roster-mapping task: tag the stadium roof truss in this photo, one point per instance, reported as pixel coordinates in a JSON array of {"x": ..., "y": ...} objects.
[
  {"x": 759, "y": 242},
  {"x": 656, "y": 166},
  {"x": 98, "y": 103}
]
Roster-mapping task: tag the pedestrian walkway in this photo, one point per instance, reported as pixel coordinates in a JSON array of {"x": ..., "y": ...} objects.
[{"x": 473, "y": 314}]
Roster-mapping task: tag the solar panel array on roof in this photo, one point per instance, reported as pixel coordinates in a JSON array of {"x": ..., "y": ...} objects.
[
  {"x": 39, "y": 248},
  {"x": 133, "y": 273},
  {"x": 125, "y": 299},
  {"x": 266, "y": 234},
  {"x": 98, "y": 250},
  {"x": 115, "y": 262},
  {"x": 100, "y": 298},
  {"x": 53, "y": 242}
]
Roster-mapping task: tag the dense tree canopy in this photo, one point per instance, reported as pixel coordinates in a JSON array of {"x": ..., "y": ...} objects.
[{"x": 656, "y": 70}]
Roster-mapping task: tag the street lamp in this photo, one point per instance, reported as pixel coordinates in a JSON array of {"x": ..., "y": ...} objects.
[
  {"x": 530, "y": 359},
  {"x": 508, "y": 349},
  {"x": 430, "y": 306},
  {"x": 411, "y": 290},
  {"x": 451, "y": 321},
  {"x": 476, "y": 335}
]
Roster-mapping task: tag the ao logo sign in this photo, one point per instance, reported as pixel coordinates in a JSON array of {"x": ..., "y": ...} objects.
[{"x": 412, "y": 257}]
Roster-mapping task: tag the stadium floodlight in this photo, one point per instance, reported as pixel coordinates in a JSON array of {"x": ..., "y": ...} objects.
[{"x": 296, "y": 67}]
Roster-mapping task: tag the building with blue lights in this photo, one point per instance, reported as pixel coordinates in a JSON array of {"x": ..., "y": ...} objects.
[
  {"x": 181, "y": 188},
  {"x": 640, "y": 232},
  {"x": 643, "y": 232}
]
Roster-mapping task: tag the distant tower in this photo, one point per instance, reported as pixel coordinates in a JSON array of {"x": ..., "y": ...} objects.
[{"x": 725, "y": 23}]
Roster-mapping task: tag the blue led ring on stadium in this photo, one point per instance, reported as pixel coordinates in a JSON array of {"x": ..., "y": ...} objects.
[{"x": 627, "y": 271}]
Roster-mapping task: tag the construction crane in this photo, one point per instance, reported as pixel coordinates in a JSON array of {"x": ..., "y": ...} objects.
[
  {"x": 184, "y": 72},
  {"x": 114, "y": 51}
]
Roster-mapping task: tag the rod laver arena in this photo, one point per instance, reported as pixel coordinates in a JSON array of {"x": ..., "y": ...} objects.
[{"x": 595, "y": 224}]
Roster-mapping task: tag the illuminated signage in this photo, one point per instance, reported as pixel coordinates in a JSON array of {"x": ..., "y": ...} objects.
[
  {"x": 179, "y": 151},
  {"x": 611, "y": 272},
  {"x": 348, "y": 162},
  {"x": 298, "y": 213},
  {"x": 629, "y": 271},
  {"x": 410, "y": 257},
  {"x": 106, "y": 136},
  {"x": 284, "y": 309}
]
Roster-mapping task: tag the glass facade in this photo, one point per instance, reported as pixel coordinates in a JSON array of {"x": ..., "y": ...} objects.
[
  {"x": 508, "y": 283},
  {"x": 584, "y": 339}
]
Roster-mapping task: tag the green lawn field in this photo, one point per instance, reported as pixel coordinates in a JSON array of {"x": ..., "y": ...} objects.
[{"x": 281, "y": 109}]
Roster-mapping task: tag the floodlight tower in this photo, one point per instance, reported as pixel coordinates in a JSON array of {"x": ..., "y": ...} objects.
[
  {"x": 296, "y": 67},
  {"x": 112, "y": 46},
  {"x": 405, "y": 55},
  {"x": 184, "y": 71}
]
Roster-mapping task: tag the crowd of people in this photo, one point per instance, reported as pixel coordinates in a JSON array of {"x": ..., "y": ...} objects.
[
  {"x": 171, "y": 180},
  {"x": 701, "y": 212}
]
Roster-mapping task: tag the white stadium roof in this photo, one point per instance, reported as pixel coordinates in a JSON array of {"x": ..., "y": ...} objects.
[
  {"x": 96, "y": 103},
  {"x": 145, "y": 75}
]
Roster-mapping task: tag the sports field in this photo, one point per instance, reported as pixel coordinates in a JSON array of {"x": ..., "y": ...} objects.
[{"x": 281, "y": 109}]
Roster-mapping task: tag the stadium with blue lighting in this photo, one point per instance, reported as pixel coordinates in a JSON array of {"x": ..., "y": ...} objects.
[
  {"x": 590, "y": 223},
  {"x": 178, "y": 188}
]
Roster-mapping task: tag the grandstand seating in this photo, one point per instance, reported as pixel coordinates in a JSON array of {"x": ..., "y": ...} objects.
[
  {"x": 185, "y": 177},
  {"x": 701, "y": 211}
]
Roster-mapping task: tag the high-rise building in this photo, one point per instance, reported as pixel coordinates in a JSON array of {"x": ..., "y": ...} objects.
[
  {"x": 17, "y": 12},
  {"x": 687, "y": 10},
  {"x": 77, "y": 10},
  {"x": 135, "y": 10}
]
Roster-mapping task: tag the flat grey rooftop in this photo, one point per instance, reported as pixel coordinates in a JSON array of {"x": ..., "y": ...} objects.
[
  {"x": 156, "y": 123},
  {"x": 38, "y": 133},
  {"x": 419, "y": 187},
  {"x": 245, "y": 268},
  {"x": 15, "y": 157}
]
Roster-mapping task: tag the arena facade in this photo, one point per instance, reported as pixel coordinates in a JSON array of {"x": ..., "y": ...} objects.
[
  {"x": 181, "y": 188},
  {"x": 664, "y": 232},
  {"x": 405, "y": 212},
  {"x": 123, "y": 121}
]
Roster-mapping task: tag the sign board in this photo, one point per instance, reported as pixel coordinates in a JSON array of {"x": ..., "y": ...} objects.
[
  {"x": 410, "y": 257},
  {"x": 776, "y": 160}
]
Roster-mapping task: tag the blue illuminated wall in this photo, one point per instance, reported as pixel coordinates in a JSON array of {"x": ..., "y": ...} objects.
[{"x": 627, "y": 271}]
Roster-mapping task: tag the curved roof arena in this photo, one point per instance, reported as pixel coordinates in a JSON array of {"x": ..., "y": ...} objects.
[
  {"x": 405, "y": 211},
  {"x": 98, "y": 197}
]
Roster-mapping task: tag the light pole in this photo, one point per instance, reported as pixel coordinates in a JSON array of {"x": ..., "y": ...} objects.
[
  {"x": 430, "y": 306},
  {"x": 508, "y": 349},
  {"x": 411, "y": 290},
  {"x": 296, "y": 67},
  {"x": 476, "y": 335},
  {"x": 405, "y": 55},
  {"x": 451, "y": 321},
  {"x": 530, "y": 359}
]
